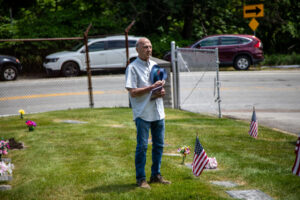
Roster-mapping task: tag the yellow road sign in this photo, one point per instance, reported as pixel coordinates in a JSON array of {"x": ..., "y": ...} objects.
[
  {"x": 256, "y": 10},
  {"x": 253, "y": 24}
]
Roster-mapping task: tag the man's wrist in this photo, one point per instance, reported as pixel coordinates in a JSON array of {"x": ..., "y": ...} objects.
[{"x": 150, "y": 88}]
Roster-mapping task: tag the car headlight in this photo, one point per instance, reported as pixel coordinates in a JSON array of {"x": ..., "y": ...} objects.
[{"x": 51, "y": 60}]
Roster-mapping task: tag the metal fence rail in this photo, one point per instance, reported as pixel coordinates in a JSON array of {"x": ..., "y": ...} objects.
[{"x": 46, "y": 94}]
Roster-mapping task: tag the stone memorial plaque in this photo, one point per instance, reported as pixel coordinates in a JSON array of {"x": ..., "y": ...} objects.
[
  {"x": 171, "y": 154},
  {"x": 5, "y": 178},
  {"x": 224, "y": 183},
  {"x": 73, "y": 122},
  {"x": 249, "y": 195},
  {"x": 189, "y": 165},
  {"x": 5, "y": 187},
  {"x": 6, "y": 160}
]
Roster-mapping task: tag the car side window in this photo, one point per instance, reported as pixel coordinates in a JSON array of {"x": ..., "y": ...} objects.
[
  {"x": 245, "y": 41},
  {"x": 131, "y": 43},
  {"x": 97, "y": 46},
  {"x": 229, "y": 40},
  {"x": 209, "y": 42},
  {"x": 116, "y": 44}
]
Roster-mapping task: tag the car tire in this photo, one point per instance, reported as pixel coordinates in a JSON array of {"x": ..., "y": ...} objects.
[
  {"x": 242, "y": 62},
  {"x": 70, "y": 69},
  {"x": 9, "y": 73}
]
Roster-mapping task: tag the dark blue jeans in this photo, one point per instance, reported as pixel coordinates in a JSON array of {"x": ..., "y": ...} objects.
[{"x": 157, "y": 132}]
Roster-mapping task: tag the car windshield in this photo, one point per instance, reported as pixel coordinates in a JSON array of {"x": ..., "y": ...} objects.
[{"x": 78, "y": 46}]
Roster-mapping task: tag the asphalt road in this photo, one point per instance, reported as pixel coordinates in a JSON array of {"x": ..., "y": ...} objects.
[
  {"x": 275, "y": 95},
  {"x": 48, "y": 94}
]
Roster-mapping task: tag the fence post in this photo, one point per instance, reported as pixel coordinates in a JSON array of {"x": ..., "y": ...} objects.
[
  {"x": 126, "y": 41},
  {"x": 88, "y": 69},
  {"x": 218, "y": 82},
  {"x": 177, "y": 73},
  {"x": 173, "y": 60}
]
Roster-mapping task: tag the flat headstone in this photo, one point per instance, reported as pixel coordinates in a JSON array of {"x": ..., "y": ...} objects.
[
  {"x": 5, "y": 178},
  {"x": 6, "y": 159},
  {"x": 5, "y": 187},
  {"x": 73, "y": 122},
  {"x": 189, "y": 165},
  {"x": 249, "y": 195},
  {"x": 224, "y": 183},
  {"x": 171, "y": 154}
]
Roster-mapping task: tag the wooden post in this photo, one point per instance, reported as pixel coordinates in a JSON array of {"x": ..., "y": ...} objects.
[
  {"x": 88, "y": 69},
  {"x": 126, "y": 41}
]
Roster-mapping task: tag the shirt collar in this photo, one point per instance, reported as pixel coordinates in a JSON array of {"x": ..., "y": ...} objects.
[{"x": 144, "y": 63}]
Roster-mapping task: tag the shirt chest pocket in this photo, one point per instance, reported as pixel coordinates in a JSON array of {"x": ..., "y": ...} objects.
[{"x": 143, "y": 80}]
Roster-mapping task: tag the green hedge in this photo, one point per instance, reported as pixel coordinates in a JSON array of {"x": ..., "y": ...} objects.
[{"x": 282, "y": 59}]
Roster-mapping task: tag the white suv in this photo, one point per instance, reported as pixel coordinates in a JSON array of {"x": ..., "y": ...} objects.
[{"x": 104, "y": 53}]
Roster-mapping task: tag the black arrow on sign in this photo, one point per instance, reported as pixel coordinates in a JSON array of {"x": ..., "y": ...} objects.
[{"x": 256, "y": 10}]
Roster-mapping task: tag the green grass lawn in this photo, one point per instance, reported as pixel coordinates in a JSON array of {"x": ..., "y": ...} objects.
[{"x": 95, "y": 160}]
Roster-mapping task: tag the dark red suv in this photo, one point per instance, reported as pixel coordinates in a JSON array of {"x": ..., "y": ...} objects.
[{"x": 239, "y": 51}]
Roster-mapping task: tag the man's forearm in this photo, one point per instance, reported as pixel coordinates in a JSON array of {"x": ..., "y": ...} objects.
[{"x": 135, "y": 92}]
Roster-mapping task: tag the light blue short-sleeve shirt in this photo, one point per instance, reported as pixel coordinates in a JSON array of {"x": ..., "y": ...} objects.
[{"x": 138, "y": 76}]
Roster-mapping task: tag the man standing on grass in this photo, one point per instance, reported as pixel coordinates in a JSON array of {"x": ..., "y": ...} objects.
[{"x": 147, "y": 113}]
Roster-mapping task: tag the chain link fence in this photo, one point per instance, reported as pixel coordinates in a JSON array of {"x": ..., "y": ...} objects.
[{"x": 197, "y": 84}]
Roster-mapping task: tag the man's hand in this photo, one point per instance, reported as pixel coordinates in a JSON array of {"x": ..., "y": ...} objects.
[
  {"x": 158, "y": 84},
  {"x": 135, "y": 92},
  {"x": 159, "y": 93}
]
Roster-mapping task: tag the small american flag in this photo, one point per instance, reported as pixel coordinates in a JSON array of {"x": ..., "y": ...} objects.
[
  {"x": 200, "y": 158},
  {"x": 254, "y": 125},
  {"x": 296, "y": 167}
]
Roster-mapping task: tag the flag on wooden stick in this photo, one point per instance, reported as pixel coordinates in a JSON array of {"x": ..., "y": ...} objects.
[
  {"x": 296, "y": 167},
  {"x": 200, "y": 158},
  {"x": 254, "y": 125}
]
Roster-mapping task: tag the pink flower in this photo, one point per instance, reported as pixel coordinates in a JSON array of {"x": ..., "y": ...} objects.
[
  {"x": 30, "y": 123},
  {"x": 4, "y": 146}
]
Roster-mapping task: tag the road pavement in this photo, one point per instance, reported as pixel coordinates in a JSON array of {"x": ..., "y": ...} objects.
[{"x": 275, "y": 95}]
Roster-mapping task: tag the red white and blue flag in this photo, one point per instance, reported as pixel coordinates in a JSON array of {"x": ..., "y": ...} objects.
[
  {"x": 254, "y": 125},
  {"x": 200, "y": 158},
  {"x": 296, "y": 167}
]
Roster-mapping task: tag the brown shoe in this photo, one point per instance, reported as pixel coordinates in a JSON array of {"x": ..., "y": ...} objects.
[
  {"x": 159, "y": 179},
  {"x": 143, "y": 184}
]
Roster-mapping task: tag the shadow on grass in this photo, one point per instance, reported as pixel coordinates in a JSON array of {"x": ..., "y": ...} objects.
[
  {"x": 112, "y": 188},
  {"x": 293, "y": 143}
]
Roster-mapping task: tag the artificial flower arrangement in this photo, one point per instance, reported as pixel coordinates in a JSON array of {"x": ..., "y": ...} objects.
[
  {"x": 212, "y": 163},
  {"x": 185, "y": 150},
  {"x": 4, "y": 146},
  {"x": 31, "y": 125},
  {"x": 6, "y": 169},
  {"x": 22, "y": 112}
]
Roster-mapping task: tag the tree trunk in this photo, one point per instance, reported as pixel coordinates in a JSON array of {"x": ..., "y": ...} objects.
[{"x": 188, "y": 18}]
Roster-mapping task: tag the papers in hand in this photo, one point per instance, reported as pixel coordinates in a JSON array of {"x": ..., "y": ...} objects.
[{"x": 156, "y": 89}]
